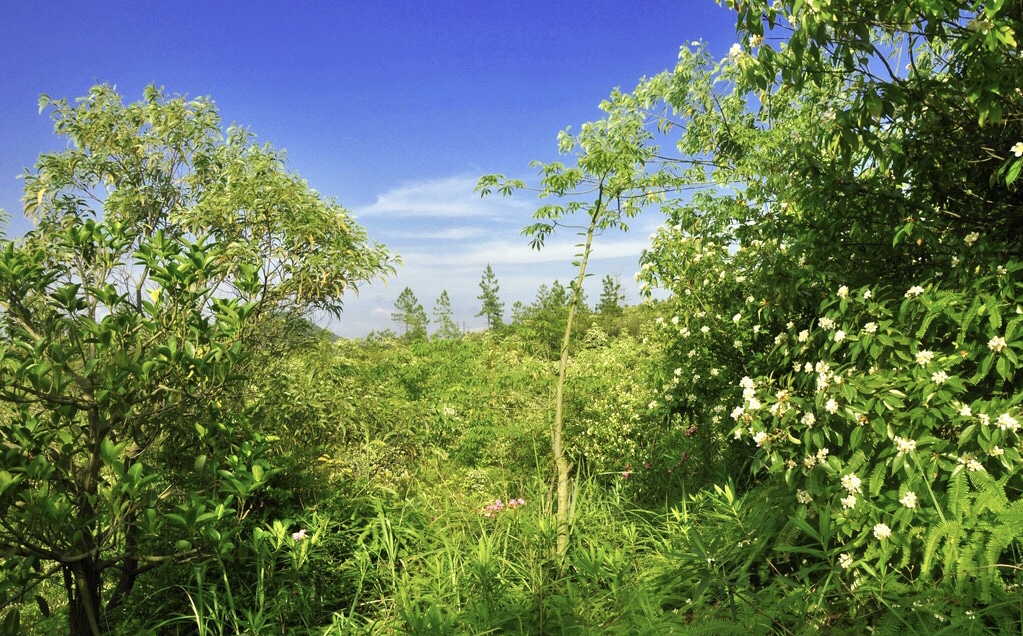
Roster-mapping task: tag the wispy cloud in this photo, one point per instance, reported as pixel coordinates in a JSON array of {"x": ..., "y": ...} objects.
[{"x": 449, "y": 198}]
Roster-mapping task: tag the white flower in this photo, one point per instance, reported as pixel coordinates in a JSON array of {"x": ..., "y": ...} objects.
[
  {"x": 1017, "y": 149},
  {"x": 905, "y": 445},
  {"x": 760, "y": 437},
  {"x": 826, "y": 323},
  {"x": 1008, "y": 422},
  {"x": 996, "y": 451},
  {"x": 996, "y": 344},
  {"x": 867, "y": 295},
  {"x": 870, "y": 327},
  {"x": 803, "y": 336},
  {"x": 915, "y": 290},
  {"x": 843, "y": 292},
  {"x": 809, "y": 419},
  {"x": 737, "y": 412},
  {"x": 845, "y": 560},
  {"x": 974, "y": 466},
  {"x": 849, "y": 502},
  {"x": 803, "y": 497},
  {"x": 809, "y": 461},
  {"x": 852, "y": 483},
  {"x": 971, "y": 238},
  {"x": 737, "y": 344},
  {"x": 674, "y": 320},
  {"x": 939, "y": 377},
  {"x": 909, "y": 499},
  {"x": 756, "y": 40},
  {"x": 882, "y": 531},
  {"x": 985, "y": 419},
  {"x": 714, "y": 372},
  {"x": 822, "y": 454},
  {"x": 839, "y": 336},
  {"x": 735, "y": 51},
  {"x": 746, "y": 382},
  {"x": 831, "y": 406},
  {"x": 705, "y": 329},
  {"x": 924, "y": 357},
  {"x": 736, "y": 318},
  {"x": 965, "y": 411}
]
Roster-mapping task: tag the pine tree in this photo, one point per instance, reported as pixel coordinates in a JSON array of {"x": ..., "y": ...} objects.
[
  {"x": 612, "y": 299},
  {"x": 442, "y": 318},
  {"x": 408, "y": 311},
  {"x": 492, "y": 307}
]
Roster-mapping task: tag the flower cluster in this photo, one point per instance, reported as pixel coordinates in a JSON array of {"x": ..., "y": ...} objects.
[{"x": 499, "y": 506}]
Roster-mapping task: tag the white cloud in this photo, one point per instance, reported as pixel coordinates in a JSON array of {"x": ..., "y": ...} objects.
[{"x": 451, "y": 198}]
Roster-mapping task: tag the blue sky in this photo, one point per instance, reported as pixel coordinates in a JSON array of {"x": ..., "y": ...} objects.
[{"x": 394, "y": 108}]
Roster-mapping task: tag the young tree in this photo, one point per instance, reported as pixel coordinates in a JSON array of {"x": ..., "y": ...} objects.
[
  {"x": 492, "y": 307},
  {"x": 409, "y": 312},
  {"x": 447, "y": 329},
  {"x": 161, "y": 246},
  {"x": 608, "y": 185}
]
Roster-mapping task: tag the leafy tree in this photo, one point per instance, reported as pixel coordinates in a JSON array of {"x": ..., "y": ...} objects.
[
  {"x": 447, "y": 329},
  {"x": 409, "y": 312},
  {"x": 607, "y": 186},
  {"x": 162, "y": 245},
  {"x": 492, "y": 306}
]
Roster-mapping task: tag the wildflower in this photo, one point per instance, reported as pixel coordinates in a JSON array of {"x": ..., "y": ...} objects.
[
  {"x": 852, "y": 483},
  {"x": 974, "y": 466},
  {"x": 870, "y": 327},
  {"x": 753, "y": 404},
  {"x": 882, "y": 531},
  {"x": 839, "y": 336},
  {"x": 915, "y": 290},
  {"x": 822, "y": 454},
  {"x": 803, "y": 497},
  {"x": 756, "y": 329},
  {"x": 714, "y": 372},
  {"x": 909, "y": 499},
  {"x": 843, "y": 292},
  {"x": 867, "y": 295},
  {"x": 831, "y": 406},
  {"x": 971, "y": 238},
  {"x": 735, "y": 51},
  {"x": 905, "y": 445},
  {"x": 965, "y": 411},
  {"x": 678, "y": 371},
  {"x": 1001, "y": 271},
  {"x": 736, "y": 318},
  {"x": 939, "y": 377},
  {"x": 996, "y": 451},
  {"x": 924, "y": 357},
  {"x": 756, "y": 40},
  {"x": 849, "y": 502},
  {"x": 996, "y": 344},
  {"x": 809, "y": 461},
  {"x": 298, "y": 536},
  {"x": 674, "y": 320},
  {"x": 803, "y": 336},
  {"x": 1008, "y": 422},
  {"x": 737, "y": 344},
  {"x": 826, "y": 323},
  {"x": 652, "y": 405},
  {"x": 705, "y": 329},
  {"x": 845, "y": 560},
  {"x": 809, "y": 419},
  {"x": 985, "y": 419},
  {"x": 760, "y": 438},
  {"x": 737, "y": 412},
  {"x": 746, "y": 382},
  {"x": 1017, "y": 149}
]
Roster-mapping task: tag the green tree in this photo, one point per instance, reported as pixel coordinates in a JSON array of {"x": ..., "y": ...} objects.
[
  {"x": 607, "y": 186},
  {"x": 447, "y": 329},
  {"x": 161, "y": 246},
  {"x": 492, "y": 306},
  {"x": 409, "y": 312},
  {"x": 612, "y": 300}
]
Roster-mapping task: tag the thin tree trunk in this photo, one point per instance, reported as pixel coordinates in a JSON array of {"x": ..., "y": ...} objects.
[{"x": 564, "y": 469}]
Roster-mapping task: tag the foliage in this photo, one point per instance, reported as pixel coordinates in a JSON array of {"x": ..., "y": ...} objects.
[
  {"x": 492, "y": 307},
  {"x": 160, "y": 249}
]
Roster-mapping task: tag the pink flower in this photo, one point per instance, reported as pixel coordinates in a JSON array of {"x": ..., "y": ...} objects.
[{"x": 298, "y": 536}]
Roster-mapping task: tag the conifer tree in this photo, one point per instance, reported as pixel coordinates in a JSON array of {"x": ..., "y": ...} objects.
[
  {"x": 492, "y": 306},
  {"x": 446, "y": 327},
  {"x": 408, "y": 311}
]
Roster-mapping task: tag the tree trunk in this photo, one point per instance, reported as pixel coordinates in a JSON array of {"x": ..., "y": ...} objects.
[{"x": 82, "y": 582}]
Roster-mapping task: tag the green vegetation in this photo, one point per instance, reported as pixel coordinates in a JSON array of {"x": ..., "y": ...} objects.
[{"x": 818, "y": 431}]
